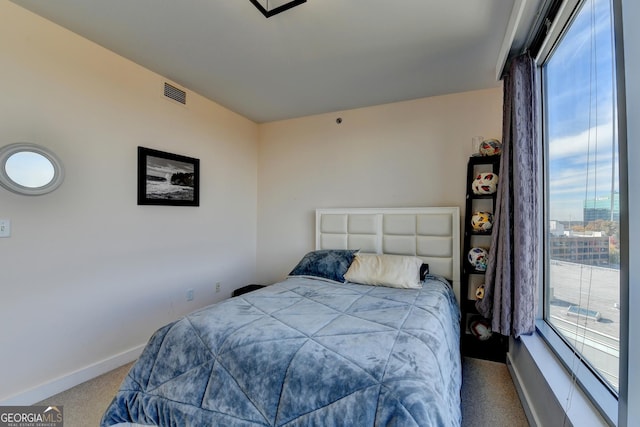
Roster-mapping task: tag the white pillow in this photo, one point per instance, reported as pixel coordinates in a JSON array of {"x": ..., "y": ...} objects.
[{"x": 395, "y": 271}]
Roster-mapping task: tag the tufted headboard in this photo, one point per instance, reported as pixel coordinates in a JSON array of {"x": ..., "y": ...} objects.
[{"x": 432, "y": 234}]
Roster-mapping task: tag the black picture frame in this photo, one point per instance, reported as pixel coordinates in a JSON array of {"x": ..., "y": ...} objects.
[{"x": 167, "y": 179}]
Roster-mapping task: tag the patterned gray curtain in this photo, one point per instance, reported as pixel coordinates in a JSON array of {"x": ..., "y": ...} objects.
[{"x": 511, "y": 278}]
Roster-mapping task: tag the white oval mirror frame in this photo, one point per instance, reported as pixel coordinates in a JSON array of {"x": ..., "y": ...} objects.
[{"x": 29, "y": 169}]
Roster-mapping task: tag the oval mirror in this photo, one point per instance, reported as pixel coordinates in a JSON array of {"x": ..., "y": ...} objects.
[{"x": 29, "y": 169}]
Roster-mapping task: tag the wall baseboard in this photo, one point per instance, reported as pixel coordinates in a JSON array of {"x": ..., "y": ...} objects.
[
  {"x": 521, "y": 389},
  {"x": 65, "y": 382}
]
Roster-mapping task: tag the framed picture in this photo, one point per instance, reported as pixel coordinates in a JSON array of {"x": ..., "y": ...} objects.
[{"x": 167, "y": 179}]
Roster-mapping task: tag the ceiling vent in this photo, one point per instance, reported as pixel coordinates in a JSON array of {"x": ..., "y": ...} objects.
[{"x": 175, "y": 93}]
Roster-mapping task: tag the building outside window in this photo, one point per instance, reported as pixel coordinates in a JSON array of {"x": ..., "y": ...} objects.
[{"x": 606, "y": 208}]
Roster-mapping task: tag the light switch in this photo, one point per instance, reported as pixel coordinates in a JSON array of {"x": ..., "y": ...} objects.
[{"x": 5, "y": 228}]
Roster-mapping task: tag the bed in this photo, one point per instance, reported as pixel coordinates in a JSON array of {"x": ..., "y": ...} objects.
[{"x": 318, "y": 348}]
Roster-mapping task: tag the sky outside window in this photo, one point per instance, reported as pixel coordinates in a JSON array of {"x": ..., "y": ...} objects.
[{"x": 580, "y": 114}]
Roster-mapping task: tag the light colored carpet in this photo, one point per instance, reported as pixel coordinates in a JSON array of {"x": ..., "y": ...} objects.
[
  {"x": 489, "y": 398},
  {"x": 84, "y": 404}
]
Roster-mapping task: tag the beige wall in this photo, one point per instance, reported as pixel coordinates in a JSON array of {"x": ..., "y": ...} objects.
[
  {"x": 410, "y": 153},
  {"x": 87, "y": 273}
]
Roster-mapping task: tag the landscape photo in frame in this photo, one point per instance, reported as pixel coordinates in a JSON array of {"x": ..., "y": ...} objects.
[{"x": 167, "y": 179}]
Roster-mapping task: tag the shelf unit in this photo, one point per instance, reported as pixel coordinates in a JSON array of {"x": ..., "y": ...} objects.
[{"x": 494, "y": 348}]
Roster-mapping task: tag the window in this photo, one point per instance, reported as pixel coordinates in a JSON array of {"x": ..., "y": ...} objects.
[{"x": 582, "y": 206}]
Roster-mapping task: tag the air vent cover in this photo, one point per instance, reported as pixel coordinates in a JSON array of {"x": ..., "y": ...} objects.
[{"x": 174, "y": 93}]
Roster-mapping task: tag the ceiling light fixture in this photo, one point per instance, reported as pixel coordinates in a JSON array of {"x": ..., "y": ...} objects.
[{"x": 272, "y": 7}]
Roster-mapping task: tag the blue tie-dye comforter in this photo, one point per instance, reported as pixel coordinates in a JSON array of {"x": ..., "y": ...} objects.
[{"x": 303, "y": 352}]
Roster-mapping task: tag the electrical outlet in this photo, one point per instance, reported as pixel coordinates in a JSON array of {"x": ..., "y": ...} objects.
[
  {"x": 189, "y": 294},
  {"x": 5, "y": 228},
  {"x": 217, "y": 287}
]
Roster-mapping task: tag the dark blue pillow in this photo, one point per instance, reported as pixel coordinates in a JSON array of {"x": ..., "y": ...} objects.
[{"x": 329, "y": 264}]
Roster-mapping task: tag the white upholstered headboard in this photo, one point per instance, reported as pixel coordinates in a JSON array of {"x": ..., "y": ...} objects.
[{"x": 432, "y": 234}]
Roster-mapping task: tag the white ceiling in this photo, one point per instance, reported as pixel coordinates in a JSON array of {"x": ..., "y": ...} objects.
[{"x": 321, "y": 56}]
